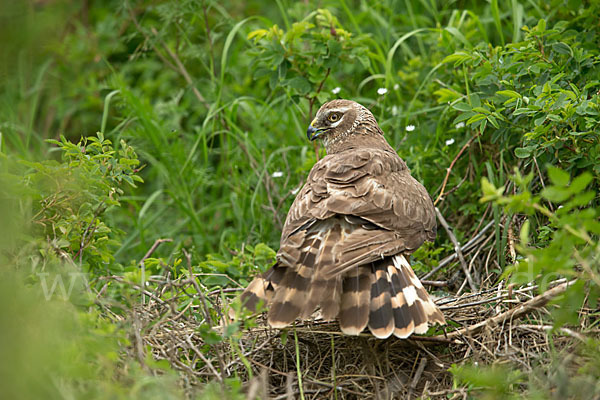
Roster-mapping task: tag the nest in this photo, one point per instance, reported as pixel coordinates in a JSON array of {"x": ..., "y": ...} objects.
[{"x": 494, "y": 325}]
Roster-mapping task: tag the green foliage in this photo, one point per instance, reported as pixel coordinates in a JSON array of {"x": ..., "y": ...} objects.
[
  {"x": 542, "y": 90},
  {"x": 67, "y": 200},
  {"x": 568, "y": 247},
  {"x": 496, "y": 382},
  {"x": 300, "y": 59},
  {"x": 56, "y": 342},
  {"x": 241, "y": 267}
]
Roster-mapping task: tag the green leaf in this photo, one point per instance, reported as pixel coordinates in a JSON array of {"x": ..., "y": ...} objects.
[
  {"x": 457, "y": 58},
  {"x": 556, "y": 194},
  {"x": 540, "y": 120},
  {"x": 524, "y": 234},
  {"x": 558, "y": 176},
  {"x": 524, "y": 152},
  {"x": 257, "y": 34},
  {"x": 446, "y": 95},
  {"x": 463, "y": 117},
  {"x": 562, "y": 48},
  {"x": 300, "y": 84},
  {"x": 461, "y": 107},
  {"x": 263, "y": 252},
  {"x": 493, "y": 121},
  {"x": 482, "y": 126},
  {"x": 541, "y": 26},
  {"x": 581, "y": 182},
  {"x": 490, "y": 192},
  {"x": 509, "y": 93},
  {"x": 475, "y": 118}
]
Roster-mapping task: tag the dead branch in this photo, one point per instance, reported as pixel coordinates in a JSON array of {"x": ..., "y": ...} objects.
[
  {"x": 465, "y": 249},
  {"x": 517, "y": 312},
  {"x": 459, "y": 253}
]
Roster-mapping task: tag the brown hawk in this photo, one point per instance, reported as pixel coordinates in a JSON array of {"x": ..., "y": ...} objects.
[{"x": 347, "y": 237}]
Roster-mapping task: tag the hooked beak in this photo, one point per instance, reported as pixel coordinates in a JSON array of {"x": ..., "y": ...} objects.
[{"x": 312, "y": 133}]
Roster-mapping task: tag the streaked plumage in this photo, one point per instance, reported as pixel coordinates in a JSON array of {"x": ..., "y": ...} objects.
[{"x": 347, "y": 237}]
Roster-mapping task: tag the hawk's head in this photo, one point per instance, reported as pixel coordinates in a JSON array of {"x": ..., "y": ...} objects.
[{"x": 338, "y": 119}]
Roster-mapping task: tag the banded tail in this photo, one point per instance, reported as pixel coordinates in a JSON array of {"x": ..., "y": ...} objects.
[{"x": 385, "y": 295}]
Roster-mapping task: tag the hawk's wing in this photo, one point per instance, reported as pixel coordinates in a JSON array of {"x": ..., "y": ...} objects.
[
  {"x": 342, "y": 248},
  {"x": 384, "y": 209}
]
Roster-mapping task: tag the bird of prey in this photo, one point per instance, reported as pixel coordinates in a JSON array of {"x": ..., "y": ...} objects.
[{"x": 347, "y": 238}]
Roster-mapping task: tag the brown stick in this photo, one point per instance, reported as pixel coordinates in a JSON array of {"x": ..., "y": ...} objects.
[
  {"x": 523, "y": 309},
  {"x": 153, "y": 248},
  {"x": 449, "y": 169},
  {"x": 417, "y": 377},
  {"x": 461, "y": 258},
  {"x": 465, "y": 248}
]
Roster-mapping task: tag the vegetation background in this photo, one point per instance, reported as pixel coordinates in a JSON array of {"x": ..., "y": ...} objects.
[{"x": 126, "y": 122}]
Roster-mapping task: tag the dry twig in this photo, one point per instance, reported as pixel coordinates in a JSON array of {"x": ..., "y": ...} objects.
[{"x": 457, "y": 248}]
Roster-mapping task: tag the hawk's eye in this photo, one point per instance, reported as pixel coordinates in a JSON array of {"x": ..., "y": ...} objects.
[{"x": 333, "y": 117}]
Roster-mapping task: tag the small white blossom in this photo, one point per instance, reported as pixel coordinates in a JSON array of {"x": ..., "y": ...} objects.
[
  {"x": 336, "y": 90},
  {"x": 449, "y": 142},
  {"x": 396, "y": 86},
  {"x": 459, "y": 125},
  {"x": 295, "y": 191},
  {"x": 394, "y": 110},
  {"x": 381, "y": 91},
  {"x": 410, "y": 128},
  {"x": 277, "y": 174}
]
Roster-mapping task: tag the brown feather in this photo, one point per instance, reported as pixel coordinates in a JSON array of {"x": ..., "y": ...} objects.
[
  {"x": 356, "y": 289},
  {"x": 347, "y": 233},
  {"x": 381, "y": 316}
]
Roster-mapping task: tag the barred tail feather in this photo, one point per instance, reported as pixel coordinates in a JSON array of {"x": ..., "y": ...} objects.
[
  {"x": 381, "y": 317},
  {"x": 386, "y": 296},
  {"x": 290, "y": 297},
  {"x": 414, "y": 310},
  {"x": 355, "y": 300},
  {"x": 261, "y": 288},
  {"x": 330, "y": 306}
]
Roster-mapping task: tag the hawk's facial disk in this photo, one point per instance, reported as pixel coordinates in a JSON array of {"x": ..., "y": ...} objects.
[{"x": 336, "y": 118}]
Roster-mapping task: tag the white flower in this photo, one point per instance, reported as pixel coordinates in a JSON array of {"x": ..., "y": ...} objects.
[
  {"x": 410, "y": 128},
  {"x": 295, "y": 191},
  {"x": 394, "y": 110},
  {"x": 381, "y": 91},
  {"x": 277, "y": 174},
  {"x": 396, "y": 86},
  {"x": 336, "y": 90},
  {"x": 449, "y": 142},
  {"x": 459, "y": 125}
]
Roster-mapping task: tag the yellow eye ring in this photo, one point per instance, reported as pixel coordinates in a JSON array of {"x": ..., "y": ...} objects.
[{"x": 333, "y": 117}]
